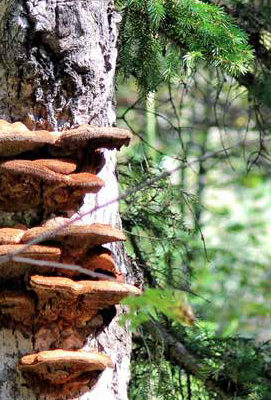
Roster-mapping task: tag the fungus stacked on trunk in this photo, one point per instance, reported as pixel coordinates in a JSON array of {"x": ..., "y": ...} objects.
[
  {"x": 60, "y": 373},
  {"x": 52, "y": 170},
  {"x": 39, "y": 294}
]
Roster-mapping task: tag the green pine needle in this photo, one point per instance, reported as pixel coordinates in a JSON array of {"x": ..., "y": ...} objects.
[{"x": 162, "y": 39}]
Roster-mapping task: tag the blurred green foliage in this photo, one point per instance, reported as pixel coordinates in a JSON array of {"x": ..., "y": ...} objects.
[
  {"x": 204, "y": 232},
  {"x": 199, "y": 238},
  {"x": 172, "y": 303}
]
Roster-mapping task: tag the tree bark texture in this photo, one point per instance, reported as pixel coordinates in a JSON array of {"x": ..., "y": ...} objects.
[{"x": 57, "y": 66}]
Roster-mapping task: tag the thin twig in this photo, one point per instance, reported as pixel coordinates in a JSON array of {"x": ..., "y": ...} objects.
[{"x": 70, "y": 267}]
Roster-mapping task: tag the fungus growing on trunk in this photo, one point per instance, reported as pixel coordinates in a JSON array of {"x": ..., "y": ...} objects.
[
  {"x": 16, "y": 138},
  {"x": 62, "y": 374},
  {"x": 11, "y": 235},
  {"x": 59, "y": 165},
  {"x": 77, "y": 301},
  {"x": 101, "y": 260},
  {"x": 83, "y": 237},
  {"x": 46, "y": 171},
  {"x": 12, "y": 269},
  {"x": 27, "y": 184},
  {"x": 59, "y": 312},
  {"x": 80, "y": 244},
  {"x": 93, "y": 137},
  {"x": 74, "y": 244}
]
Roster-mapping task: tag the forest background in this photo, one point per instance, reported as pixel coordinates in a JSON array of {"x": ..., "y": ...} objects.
[{"x": 194, "y": 87}]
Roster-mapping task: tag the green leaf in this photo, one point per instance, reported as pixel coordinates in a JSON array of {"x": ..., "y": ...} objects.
[{"x": 172, "y": 303}]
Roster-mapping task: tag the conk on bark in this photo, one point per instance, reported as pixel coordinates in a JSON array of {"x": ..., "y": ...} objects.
[{"x": 58, "y": 149}]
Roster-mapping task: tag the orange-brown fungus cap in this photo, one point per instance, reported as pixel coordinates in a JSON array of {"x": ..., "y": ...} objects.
[
  {"x": 17, "y": 307},
  {"x": 16, "y": 138},
  {"x": 83, "y": 236},
  {"x": 37, "y": 252},
  {"x": 11, "y": 235},
  {"x": 99, "y": 294},
  {"x": 76, "y": 302},
  {"x": 72, "y": 360},
  {"x": 61, "y": 373},
  {"x": 37, "y": 169},
  {"x": 95, "y": 137},
  {"x": 101, "y": 260},
  {"x": 61, "y": 166}
]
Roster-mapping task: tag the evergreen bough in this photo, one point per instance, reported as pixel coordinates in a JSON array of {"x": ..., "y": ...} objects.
[{"x": 162, "y": 39}]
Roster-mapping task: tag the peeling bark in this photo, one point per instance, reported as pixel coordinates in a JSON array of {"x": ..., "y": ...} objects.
[{"x": 57, "y": 66}]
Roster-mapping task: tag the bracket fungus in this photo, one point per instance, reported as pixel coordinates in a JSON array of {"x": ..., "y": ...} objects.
[
  {"x": 11, "y": 269},
  {"x": 46, "y": 170},
  {"x": 75, "y": 235},
  {"x": 58, "y": 165},
  {"x": 94, "y": 137},
  {"x": 61, "y": 373},
  {"x": 98, "y": 260},
  {"x": 77, "y": 301},
  {"x": 11, "y": 235},
  {"x": 101, "y": 260},
  {"x": 70, "y": 245},
  {"x": 16, "y": 138},
  {"x": 42, "y": 299},
  {"x": 60, "y": 190}
]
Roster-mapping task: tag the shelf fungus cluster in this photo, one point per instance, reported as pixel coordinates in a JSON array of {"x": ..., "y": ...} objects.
[
  {"x": 52, "y": 171},
  {"x": 64, "y": 286}
]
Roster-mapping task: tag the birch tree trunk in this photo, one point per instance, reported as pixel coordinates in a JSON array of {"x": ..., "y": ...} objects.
[{"x": 57, "y": 65}]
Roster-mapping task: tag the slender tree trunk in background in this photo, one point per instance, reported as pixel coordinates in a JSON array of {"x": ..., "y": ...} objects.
[
  {"x": 151, "y": 126},
  {"x": 57, "y": 65}
]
